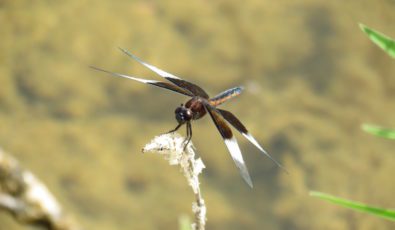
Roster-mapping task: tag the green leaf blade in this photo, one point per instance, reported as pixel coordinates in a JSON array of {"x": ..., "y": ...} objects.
[
  {"x": 383, "y": 213},
  {"x": 379, "y": 131},
  {"x": 382, "y": 40}
]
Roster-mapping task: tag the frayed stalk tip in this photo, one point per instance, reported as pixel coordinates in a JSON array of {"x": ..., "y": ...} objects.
[{"x": 171, "y": 147}]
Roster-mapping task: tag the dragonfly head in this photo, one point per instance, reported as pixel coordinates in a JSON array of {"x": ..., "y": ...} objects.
[{"x": 183, "y": 114}]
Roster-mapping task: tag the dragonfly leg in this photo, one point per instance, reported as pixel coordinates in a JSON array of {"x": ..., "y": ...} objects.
[
  {"x": 189, "y": 135},
  {"x": 175, "y": 129}
]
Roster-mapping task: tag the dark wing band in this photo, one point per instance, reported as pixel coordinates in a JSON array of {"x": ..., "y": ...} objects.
[
  {"x": 232, "y": 119},
  {"x": 231, "y": 143},
  {"x": 194, "y": 89},
  {"x": 225, "y": 96},
  {"x": 151, "y": 82}
]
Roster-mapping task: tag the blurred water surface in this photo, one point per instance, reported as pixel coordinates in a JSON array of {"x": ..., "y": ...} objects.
[{"x": 311, "y": 79}]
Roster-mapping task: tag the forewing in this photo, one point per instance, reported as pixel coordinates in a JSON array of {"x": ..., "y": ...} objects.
[
  {"x": 231, "y": 143},
  {"x": 188, "y": 86},
  {"x": 225, "y": 96},
  {"x": 151, "y": 82},
  {"x": 232, "y": 119}
]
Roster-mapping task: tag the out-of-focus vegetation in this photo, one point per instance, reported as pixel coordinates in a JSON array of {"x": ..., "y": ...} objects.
[
  {"x": 310, "y": 81},
  {"x": 383, "y": 213},
  {"x": 384, "y": 42},
  {"x": 387, "y": 44},
  {"x": 379, "y": 131}
]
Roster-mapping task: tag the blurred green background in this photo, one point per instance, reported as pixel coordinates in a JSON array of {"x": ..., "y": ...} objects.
[{"x": 311, "y": 78}]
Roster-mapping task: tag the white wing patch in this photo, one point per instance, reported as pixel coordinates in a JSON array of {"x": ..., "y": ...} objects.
[
  {"x": 125, "y": 76},
  {"x": 151, "y": 67},
  {"x": 235, "y": 152}
]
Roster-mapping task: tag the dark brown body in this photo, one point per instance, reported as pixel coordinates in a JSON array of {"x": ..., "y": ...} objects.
[{"x": 197, "y": 108}]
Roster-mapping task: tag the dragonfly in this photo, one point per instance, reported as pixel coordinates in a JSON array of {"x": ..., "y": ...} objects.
[{"x": 197, "y": 107}]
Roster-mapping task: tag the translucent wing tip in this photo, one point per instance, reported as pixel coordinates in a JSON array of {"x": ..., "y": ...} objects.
[
  {"x": 129, "y": 54},
  {"x": 124, "y": 76},
  {"x": 155, "y": 69},
  {"x": 254, "y": 142},
  {"x": 235, "y": 152},
  {"x": 246, "y": 176},
  {"x": 101, "y": 70},
  {"x": 244, "y": 172},
  {"x": 274, "y": 160}
]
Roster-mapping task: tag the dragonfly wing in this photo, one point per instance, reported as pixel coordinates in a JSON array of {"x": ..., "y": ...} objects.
[
  {"x": 188, "y": 86},
  {"x": 151, "y": 82},
  {"x": 232, "y": 119},
  {"x": 231, "y": 143}
]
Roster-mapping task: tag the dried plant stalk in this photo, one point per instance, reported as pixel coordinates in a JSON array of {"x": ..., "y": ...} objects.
[
  {"x": 171, "y": 146},
  {"x": 28, "y": 199}
]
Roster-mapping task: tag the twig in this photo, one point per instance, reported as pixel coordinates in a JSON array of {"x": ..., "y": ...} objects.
[
  {"x": 171, "y": 146},
  {"x": 28, "y": 199}
]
